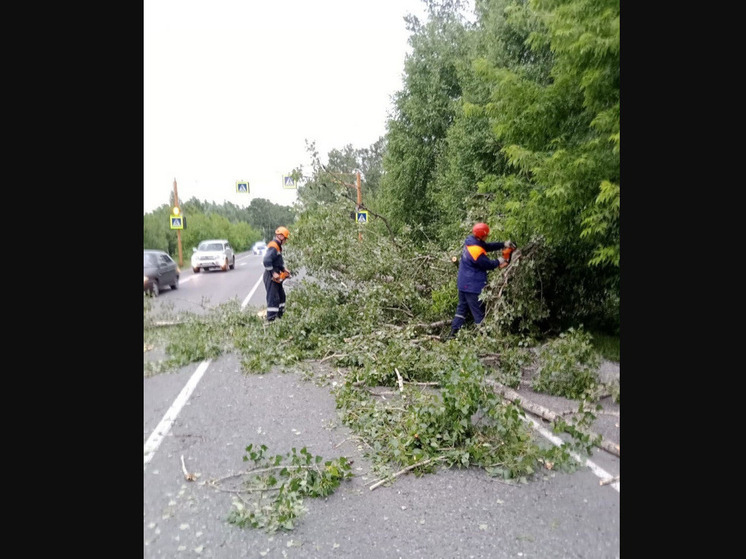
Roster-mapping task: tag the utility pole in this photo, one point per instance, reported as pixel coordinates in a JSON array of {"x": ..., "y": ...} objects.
[
  {"x": 178, "y": 231},
  {"x": 355, "y": 186},
  {"x": 359, "y": 203}
]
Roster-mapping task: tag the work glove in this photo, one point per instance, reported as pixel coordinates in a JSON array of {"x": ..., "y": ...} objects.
[
  {"x": 502, "y": 262},
  {"x": 509, "y": 244}
]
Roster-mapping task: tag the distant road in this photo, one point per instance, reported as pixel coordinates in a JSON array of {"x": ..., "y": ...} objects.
[{"x": 208, "y": 289}]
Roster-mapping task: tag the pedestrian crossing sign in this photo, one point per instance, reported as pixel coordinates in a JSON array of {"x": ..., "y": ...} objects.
[
  {"x": 242, "y": 186},
  {"x": 362, "y": 216},
  {"x": 177, "y": 222},
  {"x": 288, "y": 181}
]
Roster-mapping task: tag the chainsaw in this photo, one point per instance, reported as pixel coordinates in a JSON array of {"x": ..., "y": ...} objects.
[
  {"x": 282, "y": 277},
  {"x": 507, "y": 253}
]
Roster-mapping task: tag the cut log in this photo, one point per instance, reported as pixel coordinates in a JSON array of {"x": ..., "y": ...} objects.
[
  {"x": 607, "y": 481},
  {"x": 549, "y": 415},
  {"x": 158, "y": 323},
  {"x": 401, "y": 381}
]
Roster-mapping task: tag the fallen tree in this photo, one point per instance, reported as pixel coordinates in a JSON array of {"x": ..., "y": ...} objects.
[{"x": 548, "y": 414}]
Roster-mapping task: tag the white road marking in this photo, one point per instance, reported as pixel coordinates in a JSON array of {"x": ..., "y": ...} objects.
[
  {"x": 600, "y": 472},
  {"x": 248, "y": 297},
  {"x": 162, "y": 429}
]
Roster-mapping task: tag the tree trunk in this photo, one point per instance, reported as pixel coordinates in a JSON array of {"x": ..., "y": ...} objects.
[{"x": 549, "y": 415}]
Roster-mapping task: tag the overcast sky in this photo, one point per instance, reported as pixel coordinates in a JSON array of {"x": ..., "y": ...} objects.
[{"x": 234, "y": 88}]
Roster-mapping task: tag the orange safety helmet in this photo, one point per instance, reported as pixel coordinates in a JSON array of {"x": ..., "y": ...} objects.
[
  {"x": 481, "y": 230},
  {"x": 283, "y": 231}
]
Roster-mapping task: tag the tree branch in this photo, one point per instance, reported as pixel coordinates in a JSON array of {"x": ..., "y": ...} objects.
[
  {"x": 549, "y": 415},
  {"x": 405, "y": 470}
]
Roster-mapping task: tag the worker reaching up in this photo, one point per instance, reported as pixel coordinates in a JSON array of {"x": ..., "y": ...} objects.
[
  {"x": 275, "y": 273},
  {"x": 472, "y": 274}
]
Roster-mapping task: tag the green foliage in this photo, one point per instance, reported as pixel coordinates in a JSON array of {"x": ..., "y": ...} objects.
[
  {"x": 424, "y": 110},
  {"x": 445, "y": 297},
  {"x": 582, "y": 441},
  {"x": 615, "y": 389},
  {"x": 607, "y": 346},
  {"x": 282, "y": 482},
  {"x": 516, "y": 297},
  {"x": 155, "y": 230},
  {"x": 514, "y": 358},
  {"x": 602, "y": 219},
  {"x": 568, "y": 366},
  {"x": 265, "y": 217},
  {"x": 442, "y": 411},
  {"x": 513, "y": 120},
  {"x": 463, "y": 424},
  {"x": 197, "y": 337},
  {"x": 206, "y": 220}
]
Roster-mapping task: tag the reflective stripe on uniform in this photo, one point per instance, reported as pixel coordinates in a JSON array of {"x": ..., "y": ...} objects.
[
  {"x": 273, "y": 309},
  {"x": 475, "y": 251}
]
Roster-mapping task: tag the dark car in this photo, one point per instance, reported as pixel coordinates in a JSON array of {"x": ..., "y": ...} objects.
[{"x": 159, "y": 270}]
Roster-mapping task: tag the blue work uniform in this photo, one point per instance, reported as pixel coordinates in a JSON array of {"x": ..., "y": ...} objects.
[
  {"x": 273, "y": 262},
  {"x": 472, "y": 277}
]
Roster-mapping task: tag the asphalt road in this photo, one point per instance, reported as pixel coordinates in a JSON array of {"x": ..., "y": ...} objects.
[
  {"x": 203, "y": 416},
  {"x": 199, "y": 292}
]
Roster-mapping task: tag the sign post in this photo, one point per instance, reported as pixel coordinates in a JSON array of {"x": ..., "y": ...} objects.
[{"x": 179, "y": 221}]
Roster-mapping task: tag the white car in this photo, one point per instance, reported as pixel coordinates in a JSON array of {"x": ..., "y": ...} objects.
[
  {"x": 259, "y": 247},
  {"x": 215, "y": 253}
]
